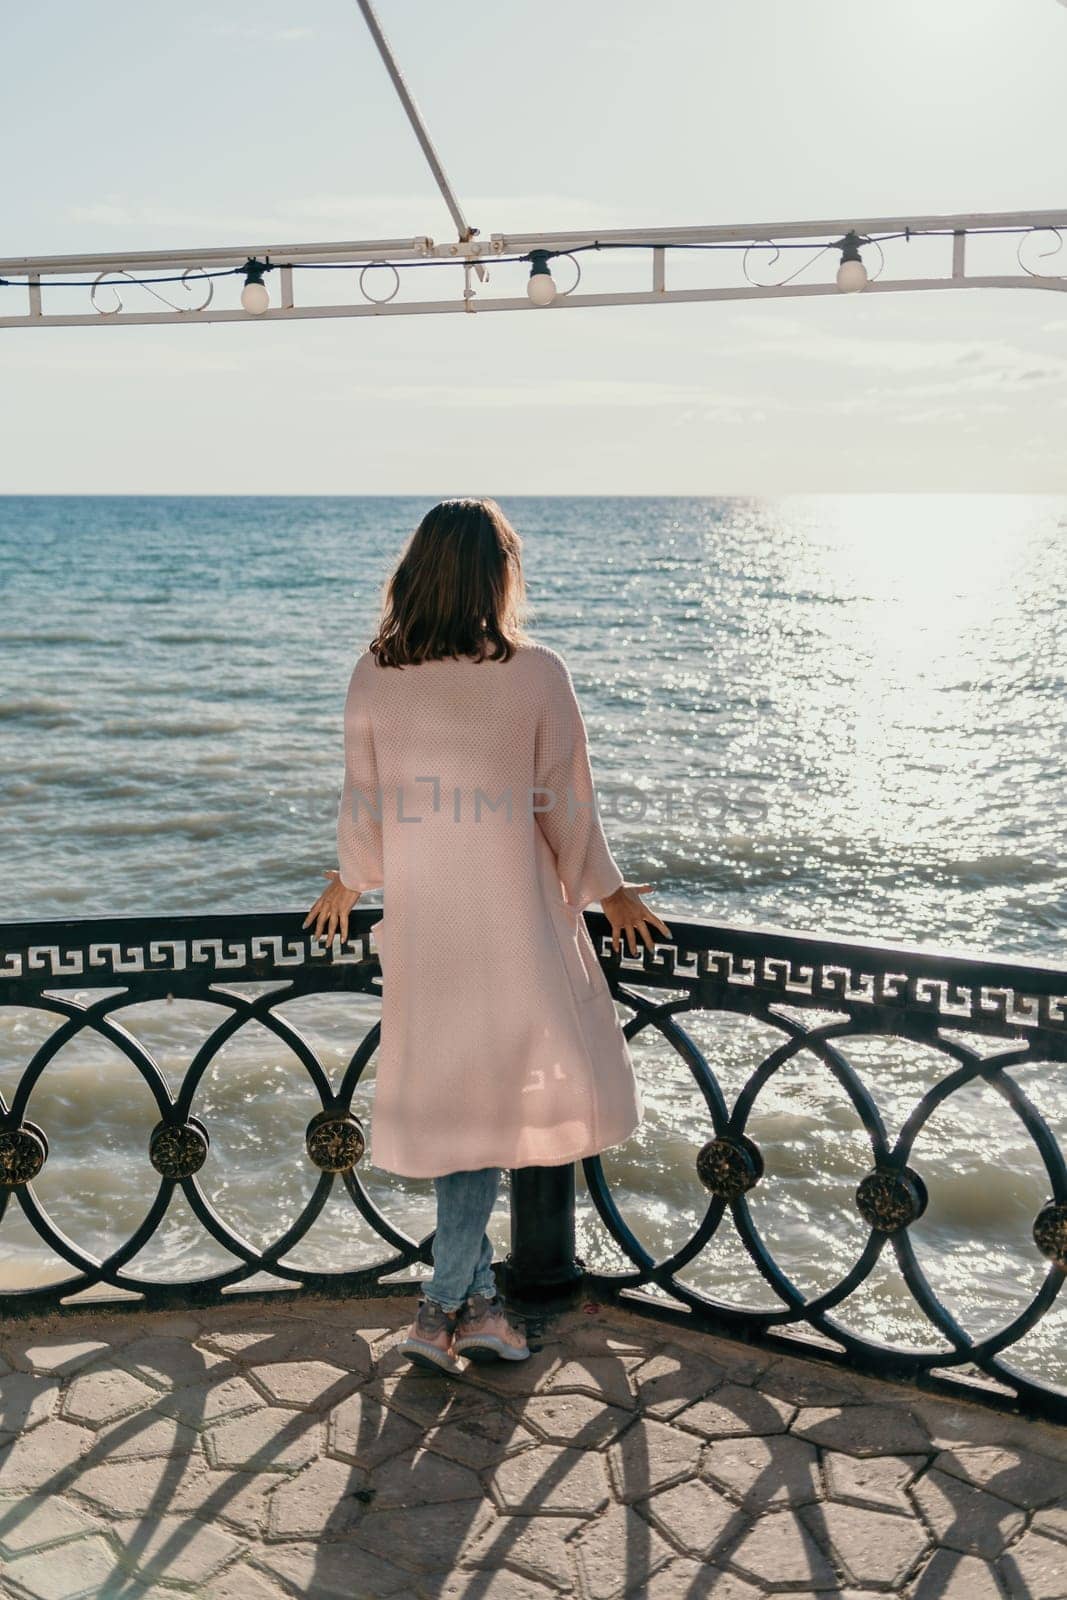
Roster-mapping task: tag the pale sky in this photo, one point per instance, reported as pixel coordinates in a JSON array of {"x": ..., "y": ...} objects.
[{"x": 149, "y": 125}]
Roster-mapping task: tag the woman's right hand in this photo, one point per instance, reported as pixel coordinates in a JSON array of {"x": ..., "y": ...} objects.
[
  {"x": 627, "y": 913},
  {"x": 331, "y": 910}
]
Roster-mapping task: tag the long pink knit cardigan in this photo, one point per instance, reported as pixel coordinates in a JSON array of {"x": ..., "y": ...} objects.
[{"x": 468, "y": 796}]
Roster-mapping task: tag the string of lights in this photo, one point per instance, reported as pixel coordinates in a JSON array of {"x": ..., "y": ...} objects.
[{"x": 852, "y": 274}]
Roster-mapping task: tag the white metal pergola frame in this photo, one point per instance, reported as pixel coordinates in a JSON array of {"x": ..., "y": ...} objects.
[{"x": 195, "y": 272}]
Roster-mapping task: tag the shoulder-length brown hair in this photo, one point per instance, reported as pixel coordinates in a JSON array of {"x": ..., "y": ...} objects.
[{"x": 458, "y": 589}]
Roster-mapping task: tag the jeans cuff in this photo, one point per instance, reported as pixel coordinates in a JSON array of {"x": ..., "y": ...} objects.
[{"x": 443, "y": 1304}]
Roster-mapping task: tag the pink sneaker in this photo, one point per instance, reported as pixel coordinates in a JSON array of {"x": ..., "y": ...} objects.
[
  {"x": 428, "y": 1342},
  {"x": 488, "y": 1330}
]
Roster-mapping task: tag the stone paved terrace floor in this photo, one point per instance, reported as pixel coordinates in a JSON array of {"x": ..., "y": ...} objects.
[{"x": 251, "y": 1454}]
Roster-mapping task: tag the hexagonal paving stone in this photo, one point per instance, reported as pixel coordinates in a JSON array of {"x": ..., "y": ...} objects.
[
  {"x": 682, "y": 1579},
  {"x": 250, "y": 1340},
  {"x": 237, "y": 1500},
  {"x": 174, "y": 1548},
  {"x": 1025, "y": 1479},
  {"x": 324, "y": 1500},
  {"x": 304, "y": 1384},
  {"x": 617, "y": 1552},
  {"x": 427, "y": 1538},
  {"x": 510, "y": 1377},
  {"x": 78, "y": 1570},
  {"x": 168, "y": 1363},
  {"x": 696, "y": 1517},
  {"x": 1035, "y": 1568},
  {"x": 744, "y": 1362},
  {"x": 336, "y": 1571},
  {"x": 673, "y": 1378},
  {"x": 863, "y": 1430},
  {"x": 34, "y": 1521},
  {"x": 966, "y": 1518},
  {"x": 426, "y": 1397},
  {"x": 28, "y": 1401},
  {"x": 950, "y": 1576},
  {"x": 48, "y": 1454},
  {"x": 104, "y": 1394},
  {"x": 338, "y": 1345},
  {"x": 196, "y": 1406},
  {"x": 874, "y": 1547},
  {"x": 420, "y": 1477},
  {"x": 601, "y": 1376},
  {"x": 301, "y": 1341},
  {"x": 575, "y": 1419},
  {"x": 138, "y": 1488},
  {"x": 1053, "y": 1521},
  {"x": 734, "y": 1410},
  {"x": 536, "y": 1547},
  {"x": 240, "y": 1582},
  {"x": 878, "y": 1481},
  {"x": 61, "y": 1356},
  {"x": 780, "y": 1553},
  {"x": 810, "y": 1383},
  {"x": 950, "y": 1424},
  {"x": 364, "y": 1432},
  {"x": 481, "y": 1440},
  {"x": 650, "y": 1455},
  {"x": 270, "y": 1440},
  {"x": 550, "y": 1479},
  {"x": 145, "y": 1434},
  {"x": 778, "y": 1470}
]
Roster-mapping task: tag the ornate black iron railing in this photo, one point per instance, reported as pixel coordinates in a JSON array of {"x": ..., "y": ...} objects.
[{"x": 85, "y": 973}]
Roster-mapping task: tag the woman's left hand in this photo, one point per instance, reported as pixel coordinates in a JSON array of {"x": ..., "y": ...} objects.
[{"x": 330, "y": 911}]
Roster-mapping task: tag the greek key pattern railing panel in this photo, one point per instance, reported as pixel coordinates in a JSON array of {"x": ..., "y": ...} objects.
[{"x": 85, "y": 973}]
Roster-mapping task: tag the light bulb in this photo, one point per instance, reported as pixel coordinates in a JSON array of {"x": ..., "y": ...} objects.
[
  {"x": 255, "y": 299},
  {"x": 851, "y": 277},
  {"x": 542, "y": 286},
  {"x": 542, "y": 289}
]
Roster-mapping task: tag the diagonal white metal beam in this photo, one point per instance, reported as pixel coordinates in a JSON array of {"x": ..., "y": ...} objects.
[{"x": 463, "y": 227}]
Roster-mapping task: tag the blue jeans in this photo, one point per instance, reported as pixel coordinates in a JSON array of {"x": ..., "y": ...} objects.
[{"x": 462, "y": 1250}]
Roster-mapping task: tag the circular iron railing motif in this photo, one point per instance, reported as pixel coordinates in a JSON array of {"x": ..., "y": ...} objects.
[
  {"x": 890, "y": 1198},
  {"x": 729, "y": 1166},
  {"x": 178, "y": 1149},
  {"x": 23, "y": 1152},
  {"x": 1050, "y": 1233},
  {"x": 335, "y": 1140}
]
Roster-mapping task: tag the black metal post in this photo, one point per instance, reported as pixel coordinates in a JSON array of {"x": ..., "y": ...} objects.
[{"x": 542, "y": 1264}]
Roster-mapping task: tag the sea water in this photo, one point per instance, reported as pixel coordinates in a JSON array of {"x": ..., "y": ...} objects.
[{"x": 841, "y": 715}]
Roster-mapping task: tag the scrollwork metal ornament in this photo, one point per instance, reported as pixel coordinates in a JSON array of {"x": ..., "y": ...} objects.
[
  {"x": 178, "y": 1149},
  {"x": 729, "y": 1166},
  {"x": 1041, "y": 254},
  {"x": 104, "y": 280},
  {"x": 775, "y": 255},
  {"x": 1050, "y": 1233},
  {"x": 23, "y": 1152},
  {"x": 335, "y": 1140},
  {"x": 891, "y": 1198}
]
